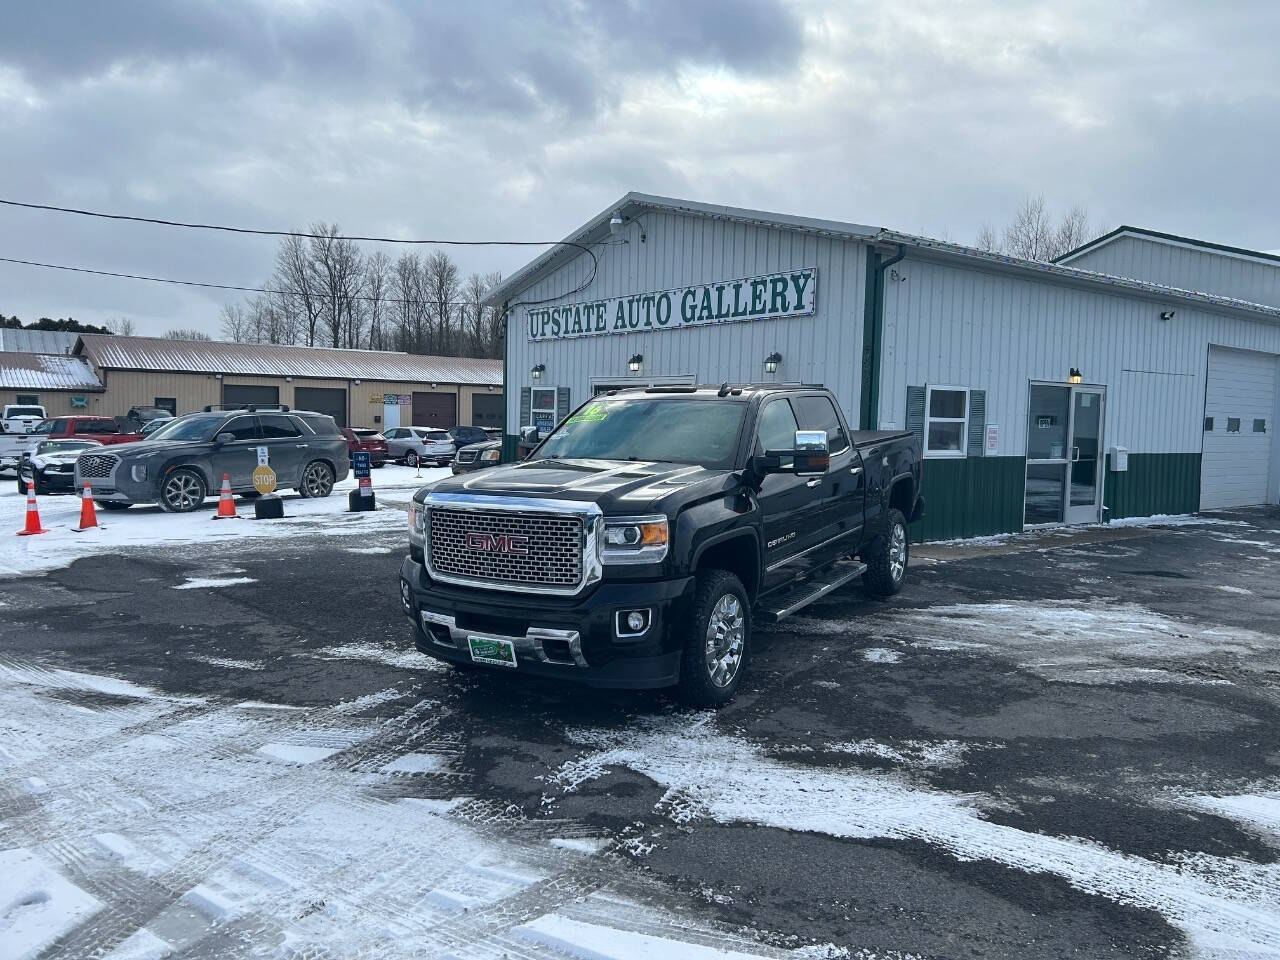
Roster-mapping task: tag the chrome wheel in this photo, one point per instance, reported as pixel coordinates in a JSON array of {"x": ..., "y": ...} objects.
[
  {"x": 898, "y": 552},
  {"x": 317, "y": 481},
  {"x": 411, "y": 459},
  {"x": 725, "y": 634},
  {"x": 183, "y": 492}
]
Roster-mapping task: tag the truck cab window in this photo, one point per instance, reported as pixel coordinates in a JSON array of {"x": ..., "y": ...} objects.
[
  {"x": 817, "y": 413},
  {"x": 777, "y": 429}
]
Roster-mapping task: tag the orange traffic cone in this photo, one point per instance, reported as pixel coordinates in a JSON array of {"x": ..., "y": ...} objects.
[
  {"x": 88, "y": 514},
  {"x": 33, "y": 516},
  {"x": 226, "y": 504}
]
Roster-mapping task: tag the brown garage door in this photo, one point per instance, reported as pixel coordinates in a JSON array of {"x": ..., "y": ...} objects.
[
  {"x": 330, "y": 400},
  {"x": 486, "y": 410},
  {"x": 435, "y": 410}
]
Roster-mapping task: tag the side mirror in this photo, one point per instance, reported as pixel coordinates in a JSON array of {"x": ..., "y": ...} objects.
[
  {"x": 222, "y": 438},
  {"x": 529, "y": 434},
  {"x": 809, "y": 458}
]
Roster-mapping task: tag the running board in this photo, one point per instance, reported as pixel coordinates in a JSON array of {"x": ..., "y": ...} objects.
[{"x": 800, "y": 596}]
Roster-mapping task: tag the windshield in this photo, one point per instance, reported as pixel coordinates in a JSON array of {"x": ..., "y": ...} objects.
[
  {"x": 44, "y": 427},
  {"x": 63, "y": 446},
  {"x": 704, "y": 432},
  {"x": 197, "y": 426}
]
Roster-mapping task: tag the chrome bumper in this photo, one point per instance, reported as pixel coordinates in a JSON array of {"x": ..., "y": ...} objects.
[{"x": 531, "y": 645}]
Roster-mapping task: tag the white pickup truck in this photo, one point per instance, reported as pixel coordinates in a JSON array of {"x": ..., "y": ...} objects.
[{"x": 17, "y": 420}]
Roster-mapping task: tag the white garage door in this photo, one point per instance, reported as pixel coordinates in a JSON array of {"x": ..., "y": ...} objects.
[{"x": 1239, "y": 410}]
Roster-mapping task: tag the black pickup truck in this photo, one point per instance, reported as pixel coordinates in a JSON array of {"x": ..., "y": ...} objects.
[{"x": 636, "y": 544}]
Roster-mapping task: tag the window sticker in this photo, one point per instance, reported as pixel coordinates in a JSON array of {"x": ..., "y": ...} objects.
[{"x": 592, "y": 414}]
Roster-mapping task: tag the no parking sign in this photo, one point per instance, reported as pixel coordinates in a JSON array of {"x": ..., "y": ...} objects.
[{"x": 360, "y": 463}]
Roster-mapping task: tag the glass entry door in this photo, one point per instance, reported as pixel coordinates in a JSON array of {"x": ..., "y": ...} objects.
[{"x": 1064, "y": 454}]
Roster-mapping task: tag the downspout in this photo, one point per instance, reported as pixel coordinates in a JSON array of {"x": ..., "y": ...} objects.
[
  {"x": 508, "y": 441},
  {"x": 873, "y": 334}
]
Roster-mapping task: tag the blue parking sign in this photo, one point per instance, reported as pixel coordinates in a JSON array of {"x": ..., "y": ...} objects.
[{"x": 360, "y": 463}]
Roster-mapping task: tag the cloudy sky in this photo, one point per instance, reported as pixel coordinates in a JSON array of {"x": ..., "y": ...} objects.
[{"x": 520, "y": 120}]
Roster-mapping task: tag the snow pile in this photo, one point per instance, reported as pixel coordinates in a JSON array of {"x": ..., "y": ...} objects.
[
  {"x": 730, "y": 780},
  {"x": 37, "y": 904}
]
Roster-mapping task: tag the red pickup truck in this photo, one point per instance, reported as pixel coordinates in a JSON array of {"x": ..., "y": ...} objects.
[{"x": 103, "y": 429}]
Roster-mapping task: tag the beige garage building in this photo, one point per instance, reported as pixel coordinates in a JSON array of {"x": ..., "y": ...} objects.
[{"x": 361, "y": 388}]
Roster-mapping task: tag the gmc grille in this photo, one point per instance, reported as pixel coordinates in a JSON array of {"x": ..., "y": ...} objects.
[
  {"x": 554, "y": 557},
  {"x": 466, "y": 456},
  {"x": 96, "y": 466}
]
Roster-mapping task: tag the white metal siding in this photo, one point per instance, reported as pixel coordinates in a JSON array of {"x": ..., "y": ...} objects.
[
  {"x": 1237, "y": 466},
  {"x": 996, "y": 332},
  {"x": 680, "y": 250},
  {"x": 1186, "y": 267}
]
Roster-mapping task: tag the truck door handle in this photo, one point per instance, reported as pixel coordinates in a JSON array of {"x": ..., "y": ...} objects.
[
  {"x": 301, "y": 446},
  {"x": 813, "y": 483},
  {"x": 855, "y": 469}
]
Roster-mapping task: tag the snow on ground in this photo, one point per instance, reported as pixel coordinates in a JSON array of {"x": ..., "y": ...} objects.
[
  {"x": 149, "y": 526},
  {"x": 152, "y": 825},
  {"x": 1064, "y": 640},
  {"x": 1227, "y": 908},
  {"x": 1159, "y": 520},
  {"x": 404, "y": 659},
  {"x": 201, "y": 583}
]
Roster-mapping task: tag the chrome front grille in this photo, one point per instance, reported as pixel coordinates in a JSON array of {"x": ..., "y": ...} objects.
[
  {"x": 466, "y": 456},
  {"x": 483, "y": 547},
  {"x": 96, "y": 466}
]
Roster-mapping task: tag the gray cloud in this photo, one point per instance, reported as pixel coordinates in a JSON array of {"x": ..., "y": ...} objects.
[{"x": 520, "y": 119}]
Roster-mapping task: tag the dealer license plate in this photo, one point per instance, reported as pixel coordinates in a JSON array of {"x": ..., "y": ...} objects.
[{"x": 492, "y": 650}]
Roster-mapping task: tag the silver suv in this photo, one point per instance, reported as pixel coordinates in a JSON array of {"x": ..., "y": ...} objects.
[{"x": 182, "y": 463}]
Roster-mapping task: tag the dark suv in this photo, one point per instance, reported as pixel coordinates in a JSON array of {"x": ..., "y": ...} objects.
[{"x": 182, "y": 463}]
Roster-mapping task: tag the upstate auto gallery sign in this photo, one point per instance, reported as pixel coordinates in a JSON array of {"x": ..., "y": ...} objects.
[{"x": 791, "y": 293}]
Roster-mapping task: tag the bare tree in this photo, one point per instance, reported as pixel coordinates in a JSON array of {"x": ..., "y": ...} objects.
[
  {"x": 408, "y": 285},
  {"x": 295, "y": 276},
  {"x": 237, "y": 325},
  {"x": 122, "y": 327},
  {"x": 186, "y": 333},
  {"x": 377, "y": 286},
  {"x": 337, "y": 264},
  {"x": 1033, "y": 235},
  {"x": 443, "y": 283}
]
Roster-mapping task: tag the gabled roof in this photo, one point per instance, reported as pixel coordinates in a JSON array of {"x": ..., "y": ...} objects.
[
  {"x": 46, "y": 371},
  {"x": 278, "y": 360},
  {"x": 36, "y": 341},
  {"x": 633, "y": 204},
  {"x": 1170, "y": 238},
  {"x": 596, "y": 230}
]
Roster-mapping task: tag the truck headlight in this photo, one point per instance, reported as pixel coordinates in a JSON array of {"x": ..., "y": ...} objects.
[
  {"x": 417, "y": 520},
  {"x": 139, "y": 472},
  {"x": 490, "y": 456},
  {"x": 635, "y": 539}
]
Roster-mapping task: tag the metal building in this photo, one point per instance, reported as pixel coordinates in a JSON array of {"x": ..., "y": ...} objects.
[{"x": 1042, "y": 393}]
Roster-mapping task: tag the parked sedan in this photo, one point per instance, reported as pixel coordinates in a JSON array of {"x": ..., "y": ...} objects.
[
  {"x": 370, "y": 441},
  {"x": 477, "y": 456},
  {"x": 416, "y": 445},
  {"x": 52, "y": 467}
]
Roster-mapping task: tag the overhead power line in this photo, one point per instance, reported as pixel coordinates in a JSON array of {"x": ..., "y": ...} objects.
[
  {"x": 318, "y": 294},
  {"x": 253, "y": 231}
]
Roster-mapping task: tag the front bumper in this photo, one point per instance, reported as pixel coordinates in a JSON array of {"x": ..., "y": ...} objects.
[
  {"x": 471, "y": 466},
  {"x": 566, "y": 638},
  {"x": 53, "y": 481}
]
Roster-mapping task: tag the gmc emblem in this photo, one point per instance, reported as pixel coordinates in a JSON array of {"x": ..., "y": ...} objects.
[{"x": 497, "y": 543}]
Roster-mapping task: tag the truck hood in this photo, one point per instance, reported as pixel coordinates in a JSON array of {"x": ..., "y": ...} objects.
[{"x": 618, "y": 487}]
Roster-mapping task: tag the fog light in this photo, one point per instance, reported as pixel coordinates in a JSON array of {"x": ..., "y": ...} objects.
[
  {"x": 632, "y": 623},
  {"x": 404, "y": 595}
]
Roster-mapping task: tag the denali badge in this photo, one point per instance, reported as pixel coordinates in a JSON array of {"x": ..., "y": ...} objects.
[{"x": 497, "y": 543}]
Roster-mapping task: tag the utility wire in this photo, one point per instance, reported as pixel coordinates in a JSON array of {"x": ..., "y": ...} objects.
[
  {"x": 220, "y": 286},
  {"x": 50, "y": 208}
]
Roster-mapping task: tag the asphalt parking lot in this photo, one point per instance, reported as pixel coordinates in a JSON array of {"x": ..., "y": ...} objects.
[{"x": 1053, "y": 746}]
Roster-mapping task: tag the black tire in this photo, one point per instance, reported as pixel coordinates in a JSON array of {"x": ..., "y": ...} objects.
[
  {"x": 248, "y": 494},
  {"x": 41, "y": 487},
  {"x": 182, "y": 491},
  {"x": 22, "y": 485},
  {"x": 114, "y": 505},
  {"x": 714, "y": 658},
  {"x": 317, "y": 480},
  {"x": 411, "y": 459},
  {"x": 888, "y": 556}
]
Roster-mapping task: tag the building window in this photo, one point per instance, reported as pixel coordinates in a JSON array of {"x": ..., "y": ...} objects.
[
  {"x": 1208, "y": 424},
  {"x": 543, "y": 409},
  {"x": 27, "y": 400},
  {"x": 1259, "y": 426},
  {"x": 946, "y": 421},
  {"x": 168, "y": 403},
  {"x": 1233, "y": 424}
]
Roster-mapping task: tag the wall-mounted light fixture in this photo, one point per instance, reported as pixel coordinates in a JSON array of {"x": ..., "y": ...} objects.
[
  {"x": 1166, "y": 315},
  {"x": 636, "y": 363},
  {"x": 217, "y": 376},
  {"x": 288, "y": 379},
  {"x": 537, "y": 371},
  {"x": 433, "y": 386},
  {"x": 355, "y": 381},
  {"x": 771, "y": 362},
  {"x": 615, "y": 224},
  {"x": 1075, "y": 376}
]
